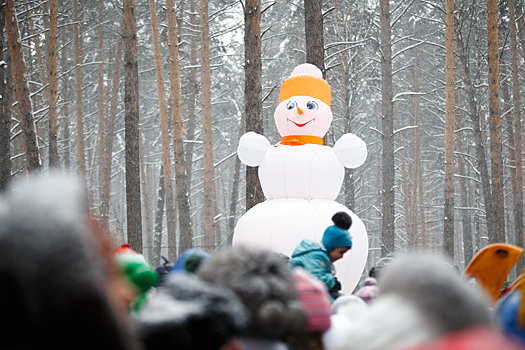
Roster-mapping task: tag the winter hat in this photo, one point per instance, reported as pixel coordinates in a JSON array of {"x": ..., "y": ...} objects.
[
  {"x": 190, "y": 261},
  {"x": 314, "y": 299},
  {"x": 138, "y": 272},
  {"x": 337, "y": 235},
  {"x": 369, "y": 291},
  {"x": 188, "y": 313},
  {"x": 349, "y": 305},
  {"x": 370, "y": 281},
  {"x": 136, "y": 268},
  {"x": 509, "y": 316},
  {"x": 264, "y": 284},
  {"x": 55, "y": 281},
  {"x": 306, "y": 80},
  {"x": 429, "y": 284}
]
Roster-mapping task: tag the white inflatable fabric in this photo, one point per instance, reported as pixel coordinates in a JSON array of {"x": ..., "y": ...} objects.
[
  {"x": 301, "y": 178},
  {"x": 280, "y": 224}
]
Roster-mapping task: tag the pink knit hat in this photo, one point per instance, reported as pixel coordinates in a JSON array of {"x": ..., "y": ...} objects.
[
  {"x": 314, "y": 299},
  {"x": 370, "y": 291}
]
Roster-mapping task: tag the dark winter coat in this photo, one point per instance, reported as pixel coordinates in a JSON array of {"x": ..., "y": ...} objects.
[{"x": 313, "y": 257}]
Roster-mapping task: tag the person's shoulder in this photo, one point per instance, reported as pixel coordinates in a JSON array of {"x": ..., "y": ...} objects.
[{"x": 306, "y": 246}]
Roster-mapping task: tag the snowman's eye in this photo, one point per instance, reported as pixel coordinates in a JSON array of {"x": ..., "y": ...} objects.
[
  {"x": 311, "y": 105},
  {"x": 290, "y": 105}
]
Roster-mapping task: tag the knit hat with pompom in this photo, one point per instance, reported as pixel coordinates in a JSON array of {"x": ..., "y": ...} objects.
[
  {"x": 264, "y": 284},
  {"x": 337, "y": 235},
  {"x": 306, "y": 80}
]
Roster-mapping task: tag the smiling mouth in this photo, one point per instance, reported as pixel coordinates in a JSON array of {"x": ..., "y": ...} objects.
[{"x": 300, "y": 125}]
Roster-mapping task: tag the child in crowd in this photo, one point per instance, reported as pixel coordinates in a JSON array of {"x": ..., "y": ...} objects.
[
  {"x": 317, "y": 257},
  {"x": 369, "y": 291}
]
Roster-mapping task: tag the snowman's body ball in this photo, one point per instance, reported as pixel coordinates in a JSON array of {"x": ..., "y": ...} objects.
[{"x": 281, "y": 224}]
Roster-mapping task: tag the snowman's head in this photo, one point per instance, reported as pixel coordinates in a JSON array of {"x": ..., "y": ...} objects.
[
  {"x": 304, "y": 103},
  {"x": 303, "y": 115}
]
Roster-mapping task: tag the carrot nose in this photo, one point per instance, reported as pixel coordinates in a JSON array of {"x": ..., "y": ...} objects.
[{"x": 299, "y": 110}]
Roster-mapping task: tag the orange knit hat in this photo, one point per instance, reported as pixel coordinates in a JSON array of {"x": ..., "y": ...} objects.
[{"x": 306, "y": 80}]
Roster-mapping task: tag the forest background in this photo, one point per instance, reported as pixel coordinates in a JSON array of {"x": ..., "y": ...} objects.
[{"x": 145, "y": 102}]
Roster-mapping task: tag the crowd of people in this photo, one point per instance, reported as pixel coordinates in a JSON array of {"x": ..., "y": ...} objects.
[{"x": 64, "y": 285}]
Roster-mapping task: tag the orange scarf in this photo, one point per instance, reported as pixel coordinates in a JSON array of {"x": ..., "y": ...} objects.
[{"x": 299, "y": 140}]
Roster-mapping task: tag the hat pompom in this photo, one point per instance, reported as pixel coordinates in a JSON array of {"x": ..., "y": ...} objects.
[
  {"x": 306, "y": 80},
  {"x": 307, "y": 69},
  {"x": 342, "y": 220}
]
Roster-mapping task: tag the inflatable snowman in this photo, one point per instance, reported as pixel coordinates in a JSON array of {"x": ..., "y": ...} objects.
[{"x": 301, "y": 178}]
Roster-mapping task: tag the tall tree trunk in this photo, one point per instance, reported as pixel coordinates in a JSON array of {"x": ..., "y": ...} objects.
[
  {"x": 465, "y": 213},
  {"x": 159, "y": 214},
  {"x": 518, "y": 194},
  {"x": 5, "y": 134},
  {"x": 253, "y": 91},
  {"x": 22, "y": 89},
  {"x": 149, "y": 196},
  {"x": 418, "y": 169},
  {"x": 79, "y": 81},
  {"x": 192, "y": 85},
  {"x": 387, "y": 109},
  {"x": 107, "y": 159},
  {"x": 498, "y": 235},
  {"x": 65, "y": 97},
  {"x": 42, "y": 73},
  {"x": 448, "y": 226},
  {"x": 38, "y": 51},
  {"x": 404, "y": 186},
  {"x": 481, "y": 158},
  {"x": 207, "y": 133},
  {"x": 144, "y": 150},
  {"x": 183, "y": 203},
  {"x": 511, "y": 139},
  {"x": 165, "y": 136},
  {"x": 521, "y": 26},
  {"x": 17, "y": 142},
  {"x": 102, "y": 122},
  {"x": 132, "y": 136},
  {"x": 313, "y": 20},
  {"x": 54, "y": 160}
]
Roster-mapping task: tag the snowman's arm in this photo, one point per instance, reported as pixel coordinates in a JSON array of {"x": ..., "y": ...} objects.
[
  {"x": 252, "y": 148},
  {"x": 351, "y": 150}
]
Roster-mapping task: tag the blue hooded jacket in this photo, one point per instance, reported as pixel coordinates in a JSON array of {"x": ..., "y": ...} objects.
[{"x": 313, "y": 257}]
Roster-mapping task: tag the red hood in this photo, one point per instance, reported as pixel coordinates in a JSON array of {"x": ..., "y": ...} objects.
[{"x": 478, "y": 338}]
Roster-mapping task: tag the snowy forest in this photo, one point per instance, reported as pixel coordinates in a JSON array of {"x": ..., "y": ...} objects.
[{"x": 145, "y": 102}]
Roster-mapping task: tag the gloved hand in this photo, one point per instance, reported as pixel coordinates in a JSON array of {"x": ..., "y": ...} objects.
[
  {"x": 337, "y": 285},
  {"x": 334, "y": 291}
]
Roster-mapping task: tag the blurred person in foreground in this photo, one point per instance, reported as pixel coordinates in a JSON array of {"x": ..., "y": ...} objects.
[
  {"x": 266, "y": 287},
  {"x": 424, "y": 305},
  {"x": 347, "y": 311},
  {"x": 315, "y": 302},
  {"x": 188, "y": 313},
  {"x": 510, "y": 311},
  {"x": 60, "y": 288}
]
